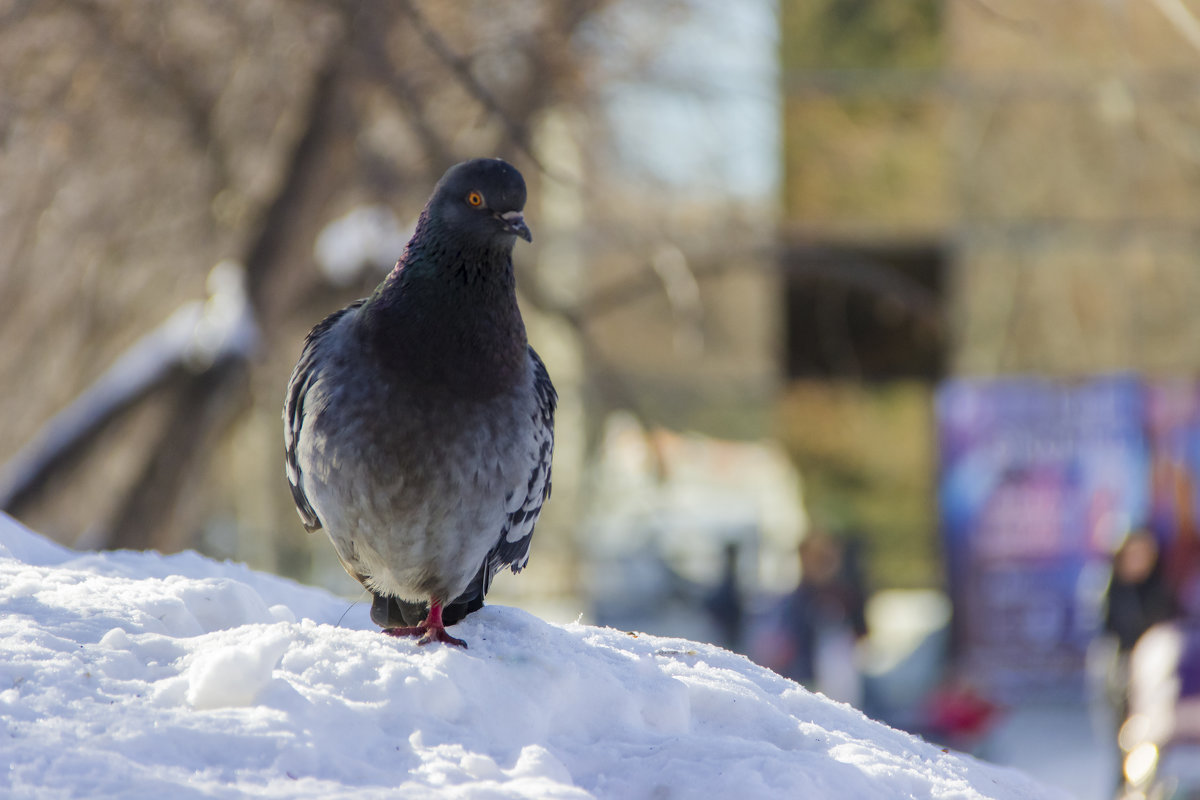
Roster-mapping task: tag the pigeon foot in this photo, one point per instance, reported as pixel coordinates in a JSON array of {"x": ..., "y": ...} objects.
[{"x": 430, "y": 630}]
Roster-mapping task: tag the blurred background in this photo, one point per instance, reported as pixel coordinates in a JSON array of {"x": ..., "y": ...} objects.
[{"x": 873, "y": 323}]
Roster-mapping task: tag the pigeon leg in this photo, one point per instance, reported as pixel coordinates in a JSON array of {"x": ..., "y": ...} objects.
[{"x": 430, "y": 630}]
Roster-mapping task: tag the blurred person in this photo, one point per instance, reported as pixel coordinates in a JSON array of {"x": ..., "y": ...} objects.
[
  {"x": 1139, "y": 595},
  {"x": 813, "y": 632},
  {"x": 1138, "y": 598},
  {"x": 724, "y": 601}
]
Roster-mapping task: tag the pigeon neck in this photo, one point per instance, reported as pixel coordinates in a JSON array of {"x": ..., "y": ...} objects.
[{"x": 448, "y": 317}]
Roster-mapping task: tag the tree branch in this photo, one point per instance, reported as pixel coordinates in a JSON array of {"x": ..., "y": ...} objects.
[
  {"x": 1182, "y": 20},
  {"x": 517, "y": 132}
]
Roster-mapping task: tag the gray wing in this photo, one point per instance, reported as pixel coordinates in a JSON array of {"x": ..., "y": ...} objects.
[
  {"x": 303, "y": 376},
  {"x": 524, "y": 503}
]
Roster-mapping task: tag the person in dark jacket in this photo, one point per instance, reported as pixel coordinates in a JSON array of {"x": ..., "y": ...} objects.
[
  {"x": 1138, "y": 594},
  {"x": 826, "y": 608},
  {"x": 1139, "y": 597}
]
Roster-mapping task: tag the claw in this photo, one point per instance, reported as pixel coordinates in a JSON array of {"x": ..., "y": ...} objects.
[{"x": 440, "y": 635}]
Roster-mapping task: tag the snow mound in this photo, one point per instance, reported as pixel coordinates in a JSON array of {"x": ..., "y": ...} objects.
[{"x": 139, "y": 675}]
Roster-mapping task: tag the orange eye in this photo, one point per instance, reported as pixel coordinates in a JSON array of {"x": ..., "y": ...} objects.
[{"x": 475, "y": 199}]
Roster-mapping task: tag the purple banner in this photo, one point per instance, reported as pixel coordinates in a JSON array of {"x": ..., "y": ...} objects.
[{"x": 1038, "y": 482}]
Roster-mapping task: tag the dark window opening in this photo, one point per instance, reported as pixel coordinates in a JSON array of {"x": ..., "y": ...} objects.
[{"x": 865, "y": 312}]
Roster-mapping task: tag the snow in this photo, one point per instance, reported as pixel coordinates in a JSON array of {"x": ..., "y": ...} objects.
[
  {"x": 197, "y": 334},
  {"x": 366, "y": 239},
  {"x": 138, "y": 675}
]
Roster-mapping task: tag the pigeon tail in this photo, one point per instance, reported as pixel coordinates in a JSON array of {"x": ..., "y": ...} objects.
[{"x": 392, "y": 612}]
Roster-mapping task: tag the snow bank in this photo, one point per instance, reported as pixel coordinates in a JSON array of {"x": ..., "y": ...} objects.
[{"x": 137, "y": 675}]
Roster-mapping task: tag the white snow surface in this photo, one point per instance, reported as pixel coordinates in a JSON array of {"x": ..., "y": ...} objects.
[{"x": 137, "y": 675}]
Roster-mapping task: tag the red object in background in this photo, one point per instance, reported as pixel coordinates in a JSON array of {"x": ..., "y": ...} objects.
[{"x": 960, "y": 714}]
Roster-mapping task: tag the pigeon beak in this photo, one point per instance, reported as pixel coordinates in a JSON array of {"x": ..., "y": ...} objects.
[{"x": 516, "y": 224}]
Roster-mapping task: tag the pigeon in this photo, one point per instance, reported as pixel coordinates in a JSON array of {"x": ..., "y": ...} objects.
[{"x": 419, "y": 423}]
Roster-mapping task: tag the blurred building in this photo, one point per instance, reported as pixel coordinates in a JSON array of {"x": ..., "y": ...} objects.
[
  {"x": 990, "y": 247},
  {"x": 978, "y": 188},
  {"x": 865, "y": 247}
]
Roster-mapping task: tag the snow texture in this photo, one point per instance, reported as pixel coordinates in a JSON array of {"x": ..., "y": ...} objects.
[{"x": 136, "y": 675}]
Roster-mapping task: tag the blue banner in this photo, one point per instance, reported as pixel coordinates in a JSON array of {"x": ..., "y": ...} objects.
[{"x": 1039, "y": 480}]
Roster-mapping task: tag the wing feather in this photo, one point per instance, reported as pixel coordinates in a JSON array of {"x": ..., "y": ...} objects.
[
  {"x": 524, "y": 503},
  {"x": 303, "y": 377}
]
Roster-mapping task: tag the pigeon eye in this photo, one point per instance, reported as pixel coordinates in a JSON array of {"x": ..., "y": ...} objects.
[{"x": 475, "y": 199}]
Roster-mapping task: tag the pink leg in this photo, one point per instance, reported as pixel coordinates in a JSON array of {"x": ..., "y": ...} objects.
[{"x": 431, "y": 630}]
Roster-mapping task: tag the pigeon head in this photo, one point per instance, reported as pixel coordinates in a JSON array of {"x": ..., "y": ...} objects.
[{"x": 482, "y": 200}]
